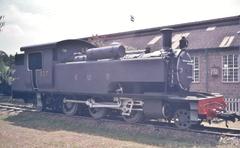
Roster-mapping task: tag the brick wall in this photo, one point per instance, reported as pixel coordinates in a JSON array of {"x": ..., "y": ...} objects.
[{"x": 212, "y": 59}]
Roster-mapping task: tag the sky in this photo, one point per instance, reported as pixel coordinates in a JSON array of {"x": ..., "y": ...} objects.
[{"x": 29, "y": 22}]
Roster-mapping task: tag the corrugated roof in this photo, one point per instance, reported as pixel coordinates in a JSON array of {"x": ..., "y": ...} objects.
[{"x": 198, "y": 38}]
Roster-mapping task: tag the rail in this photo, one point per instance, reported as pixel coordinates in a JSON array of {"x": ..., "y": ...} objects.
[{"x": 153, "y": 125}]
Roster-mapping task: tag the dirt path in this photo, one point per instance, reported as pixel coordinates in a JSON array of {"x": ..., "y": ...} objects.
[{"x": 21, "y": 137}]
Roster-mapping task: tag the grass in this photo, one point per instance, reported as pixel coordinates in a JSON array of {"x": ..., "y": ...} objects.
[{"x": 43, "y": 122}]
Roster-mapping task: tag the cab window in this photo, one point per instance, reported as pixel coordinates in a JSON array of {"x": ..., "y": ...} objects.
[{"x": 35, "y": 61}]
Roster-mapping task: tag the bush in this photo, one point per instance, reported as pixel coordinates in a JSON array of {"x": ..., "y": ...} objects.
[{"x": 6, "y": 73}]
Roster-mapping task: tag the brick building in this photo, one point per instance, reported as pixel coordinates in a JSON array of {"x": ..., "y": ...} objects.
[{"x": 213, "y": 44}]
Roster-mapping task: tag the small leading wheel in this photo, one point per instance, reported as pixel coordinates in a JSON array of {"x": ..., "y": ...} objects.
[
  {"x": 97, "y": 113},
  {"x": 182, "y": 119},
  {"x": 70, "y": 108},
  {"x": 134, "y": 117}
]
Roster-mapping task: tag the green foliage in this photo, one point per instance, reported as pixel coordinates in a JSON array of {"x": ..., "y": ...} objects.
[{"x": 5, "y": 68}]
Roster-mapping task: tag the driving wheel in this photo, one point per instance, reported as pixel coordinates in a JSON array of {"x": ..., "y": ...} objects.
[
  {"x": 70, "y": 108},
  {"x": 134, "y": 117},
  {"x": 97, "y": 113},
  {"x": 182, "y": 119}
]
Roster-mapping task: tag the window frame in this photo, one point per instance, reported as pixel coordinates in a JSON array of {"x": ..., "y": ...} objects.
[
  {"x": 29, "y": 61},
  {"x": 233, "y": 68},
  {"x": 227, "y": 41},
  {"x": 195, "y": 69}
]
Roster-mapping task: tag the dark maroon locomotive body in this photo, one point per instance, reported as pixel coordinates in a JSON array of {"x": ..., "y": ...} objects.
[
  {"x": 76, "y": 66},
  {"x": 73, "y": 73}
]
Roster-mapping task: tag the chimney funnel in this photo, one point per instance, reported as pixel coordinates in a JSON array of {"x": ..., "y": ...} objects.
[{"x": 167, "y": 38}]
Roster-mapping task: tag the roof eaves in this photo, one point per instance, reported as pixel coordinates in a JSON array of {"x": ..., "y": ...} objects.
[
  {"x": 39, "y": 46},
  {"x": 212, "y": 48}
]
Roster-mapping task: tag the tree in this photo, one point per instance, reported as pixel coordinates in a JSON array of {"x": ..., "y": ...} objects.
[
  {"x": 6, "y": 72},
  {"x": 5, "y": 69}
]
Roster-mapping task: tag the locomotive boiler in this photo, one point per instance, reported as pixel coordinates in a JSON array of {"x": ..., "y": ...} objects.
[{"x": 73, "y": 75}]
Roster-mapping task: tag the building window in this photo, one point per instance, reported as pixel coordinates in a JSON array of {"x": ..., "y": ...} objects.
[
  {"x": 154, "y": 40},
  {"x": 211, "y": 28},
  {"x": 226, "y": 42},
  {"x": 196, "y": 69},
  {"x": 230, "y": 68}
]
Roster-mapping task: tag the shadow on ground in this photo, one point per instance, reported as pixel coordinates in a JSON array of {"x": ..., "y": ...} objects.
[{"x": 48, "y": 122}]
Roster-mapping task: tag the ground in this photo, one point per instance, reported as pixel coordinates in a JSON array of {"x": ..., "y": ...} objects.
[
  {"x": 41, "y": 130},
  {"x": 27, "y": 129},
  {"x": 14, "y": 136}
]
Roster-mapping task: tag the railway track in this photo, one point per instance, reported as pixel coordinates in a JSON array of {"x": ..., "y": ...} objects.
[
  {"x": 16, "y": 107},
  {"x": 156, "y": 125}
]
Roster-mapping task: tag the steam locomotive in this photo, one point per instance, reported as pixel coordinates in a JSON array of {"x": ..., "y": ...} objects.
[{"x": 73, "y": 75}]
